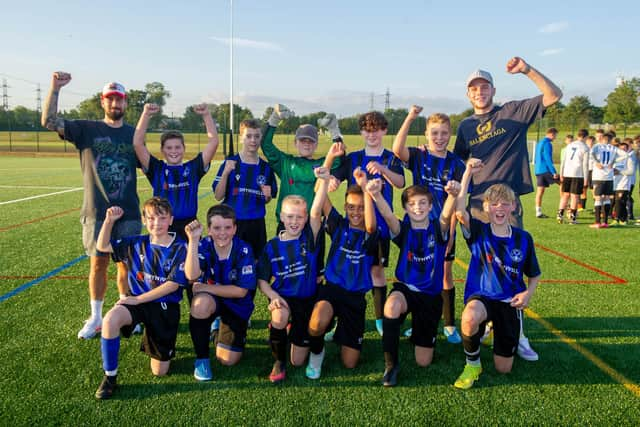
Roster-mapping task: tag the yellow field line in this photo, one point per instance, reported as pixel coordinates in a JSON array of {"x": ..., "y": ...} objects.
[{"x": 604, "y": 367}]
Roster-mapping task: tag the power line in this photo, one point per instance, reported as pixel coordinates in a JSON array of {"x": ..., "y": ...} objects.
[{"x": 5, "y": 95}]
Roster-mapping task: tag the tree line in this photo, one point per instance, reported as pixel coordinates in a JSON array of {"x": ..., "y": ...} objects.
[{"x": 621, "y": 107}]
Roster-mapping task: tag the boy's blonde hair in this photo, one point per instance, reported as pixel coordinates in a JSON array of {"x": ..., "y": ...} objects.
[
  {"x": 497, "y": 193},
  {"x": 438, "y": 119},
  {"x": 294, "y": 200},
  {"x": 249, "y": 124}
]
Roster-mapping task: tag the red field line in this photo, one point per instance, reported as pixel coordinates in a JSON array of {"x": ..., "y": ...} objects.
[
  {"x": 31, "y": 221},
  {"x": 616, "y": 279},
  {"x": 53, "y": 277}
]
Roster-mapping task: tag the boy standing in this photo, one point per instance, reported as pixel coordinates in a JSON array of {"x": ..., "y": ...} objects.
[
  {"x": 495, "y": 291},
  {"x": 156, "y": 277},
  {"x": 171, "y": 178},
  {"x": 419, "y": 271},
  {"x": 604, "y": 156},
  {"x": 223, "y": 266},
  {"x": 434, "y": 166},
  {"x": 291, "y": 259},
  {"x": 574, "y": 172},
  {"x": 378, "y": 162},
  {"x": 544, "y": 169},
  {"x": 247, "y": 183},
  {"x": 348, "y": 273}
]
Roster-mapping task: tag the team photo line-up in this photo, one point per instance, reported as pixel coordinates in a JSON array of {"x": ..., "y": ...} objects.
[{"x": 222, "y": 262}]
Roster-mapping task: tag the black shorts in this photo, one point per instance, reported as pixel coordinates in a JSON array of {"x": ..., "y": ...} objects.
[
  {"x": 451, "y": 255},
  {"x": 321, "y": 246},
  {"x": 161, "y": 321},
  {"x": 232, "y": 334},
  {"x": 506, "y": 325},
  {"x": 382, "y": 253},
  {"x": 178, "y": 225},
  {"x": 545, "y": 179},
  {"x": 425, "y": 310},
  {"x": 572, "y": 185},
  {"x": 300, "y": 309},
  {"x": 350, "y": 309},
  {"x": 603, "y": 188},
  {"x": 254, "y": 232}
]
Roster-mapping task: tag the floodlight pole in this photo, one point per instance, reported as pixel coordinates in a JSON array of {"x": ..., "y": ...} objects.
[{"x": 231, "y": 82}]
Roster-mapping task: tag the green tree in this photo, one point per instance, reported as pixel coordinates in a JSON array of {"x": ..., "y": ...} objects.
[
  {"x": 90, "y": 109},
  {"x": 577, "y": 112},
  {"x": 622, "y": 104}
]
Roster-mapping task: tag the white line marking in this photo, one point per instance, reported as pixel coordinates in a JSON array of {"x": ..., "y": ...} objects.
[
  {"x": 39, "y": 187},
  {"x": 41, "y": 195}
]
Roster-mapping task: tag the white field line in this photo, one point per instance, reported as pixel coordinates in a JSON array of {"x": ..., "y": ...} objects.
[
  {"x": 47, "y": 195},
  {"x": 34, "y": 187}
]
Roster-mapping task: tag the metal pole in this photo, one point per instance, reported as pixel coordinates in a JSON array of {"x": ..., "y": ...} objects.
[{"x": 231, "y": 82}]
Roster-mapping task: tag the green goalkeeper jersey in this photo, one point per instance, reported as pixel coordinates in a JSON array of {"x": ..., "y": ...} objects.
[{"x": 295, "y": 172}]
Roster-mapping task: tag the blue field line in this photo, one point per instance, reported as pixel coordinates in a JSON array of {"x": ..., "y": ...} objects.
[{"x": 26, "y": 286}]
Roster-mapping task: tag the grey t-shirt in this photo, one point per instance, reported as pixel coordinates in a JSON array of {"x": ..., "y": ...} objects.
[
  {"x": 108, "y": 163},
  {"x": 499, "y": 139}
]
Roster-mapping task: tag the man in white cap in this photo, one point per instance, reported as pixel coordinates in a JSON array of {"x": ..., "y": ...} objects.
[
  {"x": 108, "y": 164},
  {"x": 497, "y": 135}
]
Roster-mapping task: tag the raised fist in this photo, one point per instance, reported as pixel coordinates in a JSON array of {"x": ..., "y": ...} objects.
[
  {"x": 280, "y": 112},
  {"x": 414, "y": 111},
  {"x": 193, "y": 230},
  {"x": 59, "y": 79},
  {"x": 330, "y": 122},
  {"x": 517, "y": 65},
  {"x": 151, "y": 109},
  {"x": 201, "y": 109}
]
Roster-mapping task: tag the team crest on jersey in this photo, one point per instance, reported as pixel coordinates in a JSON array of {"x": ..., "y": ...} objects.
[
  {"x": 181, "y": 266},
  {"x": 245, "y": 250},
  {"x": 261, "y": 180},
  {"x": 187, "y": 172},
  {"x": 516, "y": 255},
  {"x": 483, "y": 128},
  {"x": 237, "y": 177},
  {"x": 303, "y": 250},
  {"x": 431, "y": 241},
  {"x": 247, "y": 269},
  {"x": 141, "y": 256},
  {"x": 167, "y": 266},
  {"x": 233, "y": 275}
]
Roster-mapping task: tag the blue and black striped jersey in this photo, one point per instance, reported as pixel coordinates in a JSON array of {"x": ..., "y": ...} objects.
[
  {"x": 421, "y": 257},
  {"x": 243, "y": 192},
  {"x": 152, "y": 265},
  {"x": 434, "y": 173},
  {"x": 238, "y": 269},
  {"x": 351, "y": 256},
  {"x": 178, "y": 184},
  {"x": 498, "y": 264},
  {"x": 387, "y": 158},
  {"x": 292, "y": 264}
]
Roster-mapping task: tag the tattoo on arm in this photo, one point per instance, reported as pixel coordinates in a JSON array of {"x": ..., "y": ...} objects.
[{"x": 50, "y": 119}]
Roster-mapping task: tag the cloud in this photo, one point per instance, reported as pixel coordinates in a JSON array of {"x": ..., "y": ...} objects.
[
  {"x": 554, "y": 27},
  {"x": 548, "y": 52},
  {"x": 253, "y": 44}
]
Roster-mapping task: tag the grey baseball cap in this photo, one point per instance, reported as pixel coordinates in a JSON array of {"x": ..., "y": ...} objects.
[
  {"x": 480, "y": 74},
  {"x": 307, "y": 131}
]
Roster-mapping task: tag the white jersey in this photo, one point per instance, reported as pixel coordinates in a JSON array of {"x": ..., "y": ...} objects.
[
  {"x": 575, "y": 162},
  {"x": 605, "y": 155},
  {"x": 626, "y": 168}
]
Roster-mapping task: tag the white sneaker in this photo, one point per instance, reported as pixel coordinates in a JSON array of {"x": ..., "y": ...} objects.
[
  {"x": 525, "y": 351},
  {"x": 90, "y": 329},
  {"x": 314, "y": 367}
]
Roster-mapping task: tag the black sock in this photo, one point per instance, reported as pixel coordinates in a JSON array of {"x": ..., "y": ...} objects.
[
  {"x": 471, "y": 344},
  {"x": 390, "y": 341},
  {"x": 607, "y": 212},
  {"x": 278, "y": 340},
  {"x": 379, "y": 298},
  {"x": 199, "y": 329},
  {"x": 583, "y": 202},
  {"x": 449, "y": 306},
  {"x": 596, "y": 212},
  {"x": 573, "y": 214},
  {"x": 560, "y": 213},
  {"x": 316, "y": 344}
]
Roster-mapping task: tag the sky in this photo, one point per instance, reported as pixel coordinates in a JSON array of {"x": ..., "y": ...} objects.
[{"x": 316, "y": 56}]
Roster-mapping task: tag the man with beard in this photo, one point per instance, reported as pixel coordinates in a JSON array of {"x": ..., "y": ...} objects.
[{"x": 108, "y": 164}]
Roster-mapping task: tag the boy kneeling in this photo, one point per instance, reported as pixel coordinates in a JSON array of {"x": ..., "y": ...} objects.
[
  {"x": 156, "y": 277},
  {"x": 420, "y": 269},
  {"x": 495, "y": 289}
]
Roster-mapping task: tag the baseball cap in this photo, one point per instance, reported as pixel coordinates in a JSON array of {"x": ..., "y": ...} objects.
[
  {"x": 307, "y": 131},
  {"x": 113, "y": 88},
  {"x": 480, "y": 74}
]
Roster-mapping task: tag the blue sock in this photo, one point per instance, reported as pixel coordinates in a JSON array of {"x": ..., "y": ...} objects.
[{"x": 110, "y": 348}]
